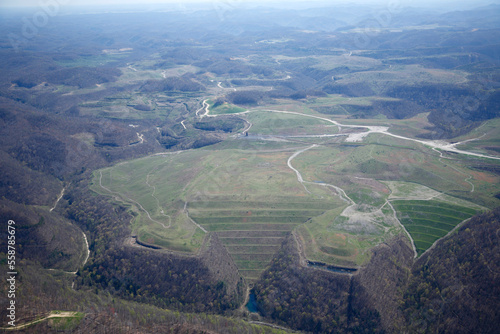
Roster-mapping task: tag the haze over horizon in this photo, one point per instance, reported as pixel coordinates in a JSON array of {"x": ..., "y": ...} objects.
[{"x": 441, "y": 4}]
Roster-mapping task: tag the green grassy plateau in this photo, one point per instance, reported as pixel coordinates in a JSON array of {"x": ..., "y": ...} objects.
[{"x": 342, "y": 197}]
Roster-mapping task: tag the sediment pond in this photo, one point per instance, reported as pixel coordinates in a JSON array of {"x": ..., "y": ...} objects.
[{"x": 335, "y": 269}]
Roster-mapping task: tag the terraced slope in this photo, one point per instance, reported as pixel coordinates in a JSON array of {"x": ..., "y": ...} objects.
[
  {"x": 427, "y": 221},
  {"x": 253, "y": 231},
  {"x": 251, "y": 199}
]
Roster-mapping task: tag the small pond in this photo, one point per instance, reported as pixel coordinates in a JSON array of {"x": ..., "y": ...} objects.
[{"x": 252, "y": 303}]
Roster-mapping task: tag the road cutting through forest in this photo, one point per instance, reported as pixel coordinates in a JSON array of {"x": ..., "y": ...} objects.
[{"x": 58, "y": 199}]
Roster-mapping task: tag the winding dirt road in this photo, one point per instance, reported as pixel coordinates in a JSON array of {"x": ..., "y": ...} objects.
[
  {"x": 157, "y": 200},
  {"x": 58, "y": 199},
  {"x": 88, "y": 250},
  {"x": 437, "y": 144},
  {"x": 120, "y": 195},
  {"x": 204, "y": 107},
  {"x": 299, "y": 176},
  {"x": 53, "y": 314},
  {"x": 186, "y": 211}
]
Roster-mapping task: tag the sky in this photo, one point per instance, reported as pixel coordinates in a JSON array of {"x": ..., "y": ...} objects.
[{"x": 459, "y": 4}]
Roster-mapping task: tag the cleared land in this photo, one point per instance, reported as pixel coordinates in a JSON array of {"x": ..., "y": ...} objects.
[
  {"x": 252, "y": 199},
  {"x": 61, "y": 321},
  {"x": 224, "y": 108},
  {"x": 427, "y": 221},
  {"x": 336, "y": 194},
  {"x": 253, "y": 231}
]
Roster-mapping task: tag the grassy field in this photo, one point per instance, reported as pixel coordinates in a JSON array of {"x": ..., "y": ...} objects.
[
  {"x": 224, "y": 109},
  {"x": 378, "y": 79},
  {"x": 354, "y": 195},
  {"x": 327, "y": 63},
  {"x": 429, "y": 220},
  {"x": 244, "y": 189},
  {"x": 268, "y": 123},
  {"x": 253, "y": 231},
  {"x": 91, "y": 60},
  {"x": 484, "y": 139},
  {"x": 371, "y": 173},
  {"x": 251, "y": 199}
]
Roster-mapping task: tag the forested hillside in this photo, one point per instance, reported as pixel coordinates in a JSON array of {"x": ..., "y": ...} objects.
[{"x": 453, "y": 288}]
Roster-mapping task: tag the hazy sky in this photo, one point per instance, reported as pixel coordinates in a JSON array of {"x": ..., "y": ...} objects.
[
  {"x": 126, "y": 2},
  {"x": 233, "y": 3}
]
